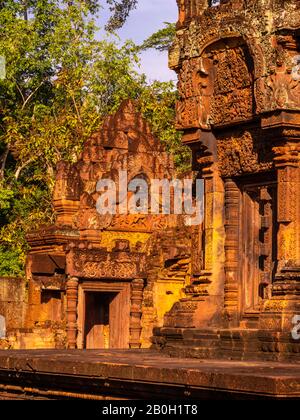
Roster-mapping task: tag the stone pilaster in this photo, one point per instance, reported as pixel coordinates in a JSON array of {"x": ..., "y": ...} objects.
[
  {"x": 137, "y": 287},
  {"x": 288, "y": 169},
  {"x": 72, "y": 300},
  {"x": 206, "y": 290},
  {"x": 284, "y": 304},
  {"x": 231, "y": 298}
]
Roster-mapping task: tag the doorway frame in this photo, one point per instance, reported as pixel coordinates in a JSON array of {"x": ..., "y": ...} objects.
[
  {"x": 245, "y": 184},
  {"x": 98, "y": 286}
]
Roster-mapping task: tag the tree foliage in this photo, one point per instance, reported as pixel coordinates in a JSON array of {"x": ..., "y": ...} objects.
[
  {"x": 162, "y": 39},
  {"x": 120, "y": 11},
  {"x": 60, "y": 83}
]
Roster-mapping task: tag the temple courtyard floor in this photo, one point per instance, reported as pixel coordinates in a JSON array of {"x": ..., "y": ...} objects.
[{"x": 140, "y": 374}]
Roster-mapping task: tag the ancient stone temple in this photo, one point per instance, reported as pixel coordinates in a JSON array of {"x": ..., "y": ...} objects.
[
  {"x": 227, "y": 289},
  {"x": 104, "y": 281},
  {"x": 238, "y": 64}
]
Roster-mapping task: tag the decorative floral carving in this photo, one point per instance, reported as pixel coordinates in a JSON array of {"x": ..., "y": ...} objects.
[
  {"x": 92, "y": 263},
  {"x": 109, "y": 269},
  {"x": 283, "y": 92},
  {"x": 243, "y": 155}
]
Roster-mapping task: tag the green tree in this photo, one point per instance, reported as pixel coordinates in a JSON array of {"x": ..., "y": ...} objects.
[
  {"x": 158, "y": 107},
  {"x": 60, "y": 83},
  {"x": 162, "y": 39},
  {"x": 120, "y": 12}
]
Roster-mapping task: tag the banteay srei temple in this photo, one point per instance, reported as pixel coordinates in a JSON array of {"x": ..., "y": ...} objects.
[{"x": 227, "y": 288}]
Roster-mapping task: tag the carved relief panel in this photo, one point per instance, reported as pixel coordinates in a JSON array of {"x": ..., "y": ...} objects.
[
  {"x": 216, "y": 88},
  {"x": 233, "y": 83},
  {"x": 282, "y": 86}
]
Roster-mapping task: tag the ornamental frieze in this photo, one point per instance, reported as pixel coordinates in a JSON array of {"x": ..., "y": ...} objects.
[
  {"x": 109, "y": 269},
  {"x": 97, "y": 264}
]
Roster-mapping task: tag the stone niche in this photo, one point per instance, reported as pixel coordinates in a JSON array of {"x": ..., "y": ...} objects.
[
  {"x": 105, "y": 281},
  {"x": 239, "y": 109}
]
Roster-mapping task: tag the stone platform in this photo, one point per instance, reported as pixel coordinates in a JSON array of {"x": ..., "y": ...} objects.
[{"x": 140, "y": 374}]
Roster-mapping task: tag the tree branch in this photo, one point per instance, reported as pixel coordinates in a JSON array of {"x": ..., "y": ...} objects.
[
  {"x": 26, "y": 100},
  {"x": 32, "y": 94},
  {"x": 19, "y": 90},
  {"x": 23, "y": 166},
  {"x": 76, "y": 108}
]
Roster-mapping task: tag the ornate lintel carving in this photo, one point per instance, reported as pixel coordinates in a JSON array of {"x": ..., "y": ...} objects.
[
  {"x": 97, "y": 264},
  {"x": 245, "y": 153}
]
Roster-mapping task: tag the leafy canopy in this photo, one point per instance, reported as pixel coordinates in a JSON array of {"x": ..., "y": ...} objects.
[
  {"x": 162, "y": 39},
  {"x": 61, "y": 81}
]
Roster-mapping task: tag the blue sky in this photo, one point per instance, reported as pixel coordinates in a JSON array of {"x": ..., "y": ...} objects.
[{"x": 143, "y": 22}]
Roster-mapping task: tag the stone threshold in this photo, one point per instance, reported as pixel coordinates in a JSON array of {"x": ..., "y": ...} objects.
[{"x": 140, "y": 374}]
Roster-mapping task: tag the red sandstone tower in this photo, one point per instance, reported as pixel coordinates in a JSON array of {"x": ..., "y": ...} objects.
[{"x": 239, "y": 109}]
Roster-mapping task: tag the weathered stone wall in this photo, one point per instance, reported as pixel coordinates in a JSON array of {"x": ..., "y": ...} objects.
[
  {"x": 12, "y": 301},
  {"x": 167, "y": 276}
]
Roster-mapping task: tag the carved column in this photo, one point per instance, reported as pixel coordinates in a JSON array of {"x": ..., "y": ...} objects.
[
  {"x": 202, "y": 258},
  {"x": 72, "y": 300},
  {"x": 266, "y": 233},
  {"x": 209, "y": 188},
  {"x": 207, "y": 288},
  {"x": 288, "y": 168},
  {"x": 137, "y": 287},
  {"x": 209, "y": 280},
  {"x": 232, "y": 215},
  {"x": 285, "y": 301}
]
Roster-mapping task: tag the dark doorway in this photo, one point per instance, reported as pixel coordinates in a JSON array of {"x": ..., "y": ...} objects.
[
  {"x": 97, "y": 311},
  {"x": 106, "y": 324}
]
